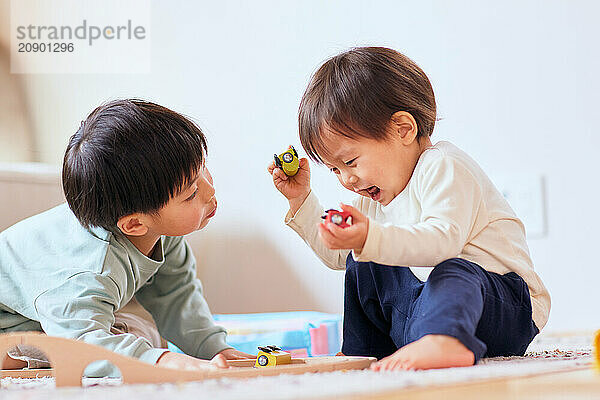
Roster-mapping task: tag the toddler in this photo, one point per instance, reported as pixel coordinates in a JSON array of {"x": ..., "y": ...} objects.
[{"x": 438, "y": 272}]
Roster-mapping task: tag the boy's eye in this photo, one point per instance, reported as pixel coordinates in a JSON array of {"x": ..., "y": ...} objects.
[
  {"x": 192, "y": 196},
  {"x": 334, "y": 170},
  {"x": 349, "y": 163}
]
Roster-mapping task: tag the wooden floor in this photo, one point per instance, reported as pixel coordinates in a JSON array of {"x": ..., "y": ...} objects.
[{"x": 581, "y": 384}]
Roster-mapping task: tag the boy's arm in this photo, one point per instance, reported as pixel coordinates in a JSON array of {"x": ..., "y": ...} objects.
[
  {"x": 83, "y": 308},
  {"x": 305, "y": 222},
  {"x": 451, "y": 198},
  {"x": 175, "y": 300}
]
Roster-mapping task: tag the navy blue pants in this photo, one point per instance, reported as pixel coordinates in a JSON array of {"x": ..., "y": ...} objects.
[{"x": 387, "y": 307}]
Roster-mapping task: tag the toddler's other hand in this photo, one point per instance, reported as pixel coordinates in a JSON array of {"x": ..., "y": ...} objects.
[
  {"x": 295, "y": 188},
  {"x": 352, "y": 237}
]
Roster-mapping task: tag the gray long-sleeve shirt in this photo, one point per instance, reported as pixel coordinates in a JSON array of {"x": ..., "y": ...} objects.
[{"x": 72, "y": 280}]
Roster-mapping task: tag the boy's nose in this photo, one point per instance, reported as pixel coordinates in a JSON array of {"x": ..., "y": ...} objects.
[
  {"x": 208, "y": 190},
  {"x": 207, "y": 185}
]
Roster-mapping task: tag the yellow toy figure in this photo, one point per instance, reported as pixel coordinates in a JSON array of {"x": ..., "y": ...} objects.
[
  {"x": 270, "y": 356},
  {"x": 288, "y": 161}
]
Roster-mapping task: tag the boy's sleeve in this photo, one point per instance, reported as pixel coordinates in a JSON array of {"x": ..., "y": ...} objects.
[
  {"x": 174, "y": 298},
  {"x": 82, "y": 308},
  {"x": 451, "y": 198},
  {"x": 305, "y": 221}
]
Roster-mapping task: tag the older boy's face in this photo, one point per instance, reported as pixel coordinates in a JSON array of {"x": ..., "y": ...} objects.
[
  {"x": 191, "y": 210},
  {"x": 376, "y": 169}
]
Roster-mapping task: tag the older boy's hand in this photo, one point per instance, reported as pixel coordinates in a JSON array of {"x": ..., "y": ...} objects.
[
  {"x": 352, "y": 237},
  {"x": 185, "y": 362},
  {"x": 233, "y": 354}
]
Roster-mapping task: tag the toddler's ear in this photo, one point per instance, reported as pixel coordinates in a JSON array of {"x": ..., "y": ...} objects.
[
  {"x": 404, "y": 124},
  {"x": 132, "y": 225}
]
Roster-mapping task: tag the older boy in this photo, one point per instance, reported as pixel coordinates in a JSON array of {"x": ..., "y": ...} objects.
[{"x": 135, "y": 181}]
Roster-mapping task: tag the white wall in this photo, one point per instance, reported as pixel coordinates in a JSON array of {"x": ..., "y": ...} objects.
[{"x": 516, "y": 84}]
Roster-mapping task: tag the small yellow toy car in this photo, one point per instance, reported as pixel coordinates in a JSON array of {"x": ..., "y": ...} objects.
[
  {"x": 288, "y": 161},
  {"x": 270, "y": 356}
]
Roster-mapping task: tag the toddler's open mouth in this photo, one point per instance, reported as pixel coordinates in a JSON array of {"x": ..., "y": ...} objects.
[{"x": 374, "y": 192}]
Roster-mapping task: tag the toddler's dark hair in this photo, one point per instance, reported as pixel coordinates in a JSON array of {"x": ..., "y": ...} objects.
[
  {"x": 129, "y": 156},
  {"x": 356, "y": 93}
]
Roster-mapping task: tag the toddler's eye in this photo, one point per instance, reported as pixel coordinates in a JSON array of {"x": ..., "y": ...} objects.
[
  {"x": 334, "y": 170},
  {"x": 192, "y": 196},
  {"x": 349, "y": 163}
]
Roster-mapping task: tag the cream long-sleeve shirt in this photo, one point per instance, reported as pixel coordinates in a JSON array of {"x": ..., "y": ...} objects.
[{"x": 449, "y": 208}]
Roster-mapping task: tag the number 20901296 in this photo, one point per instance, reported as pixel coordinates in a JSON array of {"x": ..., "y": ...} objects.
[{"x": 26, "y": 47}]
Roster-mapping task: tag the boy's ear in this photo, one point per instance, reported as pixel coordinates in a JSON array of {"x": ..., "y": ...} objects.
[
  {"x": 133, "y": 224},
  {"x": 404, "y": 124}
]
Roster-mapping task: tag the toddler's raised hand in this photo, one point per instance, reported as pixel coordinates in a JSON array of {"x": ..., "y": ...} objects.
[
  {"x": 352, "y": 237},
  {"x": 295, "y": 188}
]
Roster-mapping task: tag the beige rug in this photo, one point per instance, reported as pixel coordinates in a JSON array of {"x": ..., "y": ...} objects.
[{"x": 547, "y": 354}]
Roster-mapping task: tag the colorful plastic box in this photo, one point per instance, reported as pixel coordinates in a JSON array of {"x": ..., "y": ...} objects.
[{"x": 303, "y": 333}]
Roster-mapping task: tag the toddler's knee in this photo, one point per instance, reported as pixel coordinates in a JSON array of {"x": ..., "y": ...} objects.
[
  {"x": 454, "y": 266},
  {"x": 351, "y": 264}
]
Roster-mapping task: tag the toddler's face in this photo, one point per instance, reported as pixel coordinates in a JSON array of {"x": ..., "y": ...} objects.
[
  {"x": 372, "y": 168},
  {"x": 191, "y": 210}
]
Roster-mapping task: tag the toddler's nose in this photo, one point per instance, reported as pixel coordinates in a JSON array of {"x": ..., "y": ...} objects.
[{"x": 352, "y": 180}]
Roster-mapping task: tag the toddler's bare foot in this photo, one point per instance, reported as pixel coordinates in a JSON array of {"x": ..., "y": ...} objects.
[{"x": 431, "y": 351}]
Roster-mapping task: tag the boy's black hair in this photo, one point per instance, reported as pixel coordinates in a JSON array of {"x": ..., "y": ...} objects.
[
  {"x": 356, "y": 93},
  {"x": 129, "y": 156}
]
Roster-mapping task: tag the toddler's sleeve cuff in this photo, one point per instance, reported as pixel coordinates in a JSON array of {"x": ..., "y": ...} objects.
[
  {"x": 371, "y": 248},
  {"x": 309, "y": 212}
]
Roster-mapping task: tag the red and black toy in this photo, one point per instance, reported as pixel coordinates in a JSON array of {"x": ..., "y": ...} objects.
[{"x": 343, "y": 219}]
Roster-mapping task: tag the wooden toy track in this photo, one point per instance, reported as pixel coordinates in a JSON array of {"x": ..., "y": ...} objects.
[{"x": 69, "y": 358}]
